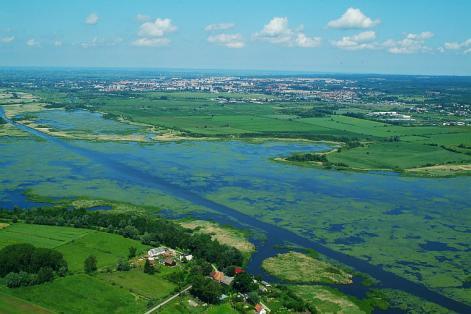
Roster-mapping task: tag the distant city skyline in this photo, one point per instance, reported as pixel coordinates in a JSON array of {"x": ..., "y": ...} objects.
[{"x": 394, "y": 37}]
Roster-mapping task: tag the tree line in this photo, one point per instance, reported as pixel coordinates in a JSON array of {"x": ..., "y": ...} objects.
[{"x": 150, "y": 230}]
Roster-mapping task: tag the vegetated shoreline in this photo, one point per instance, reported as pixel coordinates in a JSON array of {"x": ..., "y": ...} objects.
[{"x": 433, "y": 171}]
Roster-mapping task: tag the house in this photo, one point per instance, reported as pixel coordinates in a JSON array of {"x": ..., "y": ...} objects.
[
  {"x": 259, "y": 309},
  {"x": 227, "y": 280},
  {"x": 238, "y": 270},
  {"x": 168, "y": 261},
  {"x": 266, "y": 284},
  {"x": 217, "y": 275},
  {"x": 157, "y": 251},
  {"x": 221, "y": 278},
  {"x": 186, "y": 258}
]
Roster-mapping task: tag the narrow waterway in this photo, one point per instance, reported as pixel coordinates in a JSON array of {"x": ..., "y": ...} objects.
[{"x": 275, "y": 235}]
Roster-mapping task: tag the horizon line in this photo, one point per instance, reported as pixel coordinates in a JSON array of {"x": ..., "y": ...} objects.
[{"x": 219, "y": 70}]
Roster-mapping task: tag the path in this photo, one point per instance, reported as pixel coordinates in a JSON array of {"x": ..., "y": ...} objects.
[{"x": 168, "y": 300}]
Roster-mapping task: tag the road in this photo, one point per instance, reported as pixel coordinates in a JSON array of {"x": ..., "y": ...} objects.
[{"x": 168, "y": 300}]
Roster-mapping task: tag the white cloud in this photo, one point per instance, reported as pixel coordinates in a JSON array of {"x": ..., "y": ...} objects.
[
  {"x": 277, "y": 31},
  {"x": 464, "y": 46},
  {"x": 7, "y": 39},
  {"x": 99, "y": 42},
  {"x": 411, "y": 43},
  {"x": 153, "y": 34},
  {"x": 228, "y": 40},
  {"x": 363, "y": 40},
  {"x": 158, "y": 28},
  {"x": 32, "y": 43},
  {"x": 219, "y": 27},
  {"x": 57, "y": 43},
  {"x": 91, "y": 19},
  {"x": 151, "y": 42},
  {"x": 142, "y": 18},
  {"x": 307, "y": 42},
  {"x": 353, "y": 19}
]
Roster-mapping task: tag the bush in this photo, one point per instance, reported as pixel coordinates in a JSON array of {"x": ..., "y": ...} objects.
[
  {"x": 45, "y": 274},
  {"x": 123, "y": 266},
  {"x": 89, "y": 264},
  {"x": 148, "y": 268},
  {"x": 15, "y": 280}
]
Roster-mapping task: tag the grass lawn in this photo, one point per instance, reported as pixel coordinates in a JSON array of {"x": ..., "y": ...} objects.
[
  {"x": 79, "y": 294},
  {"x": 135, "y": 280},
  {"x": 298, "y": 267},
  {"x": 108, "y": 249},
  {"x": 182, "y": 306},
  {"x": 13, "y": 305}
]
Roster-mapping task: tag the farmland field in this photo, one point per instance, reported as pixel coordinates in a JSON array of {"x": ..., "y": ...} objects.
[{"x": 76, "y": 244}]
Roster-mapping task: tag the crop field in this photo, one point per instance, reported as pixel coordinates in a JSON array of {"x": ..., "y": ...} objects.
[
  {"x": 67, "y": 295},
  {"x": 105, "y": 292},
  {"x": 13, "y": 305},
  {"x": 76, "y": 244},
  {"x": 142, "y": 284}
]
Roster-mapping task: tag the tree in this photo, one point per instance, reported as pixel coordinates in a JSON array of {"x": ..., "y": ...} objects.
[
  {"x": 132, "y": 252},
  {"x": 206, "y": 289},
  {"x": 148, "y": 268},
  {"x": 243, "y": 282},
  {"x": 90, "y": 264},
  {"x": 123, "y": 265},
  {"x": 253, "y": 297},
  {"x": 45, "y": 274}
]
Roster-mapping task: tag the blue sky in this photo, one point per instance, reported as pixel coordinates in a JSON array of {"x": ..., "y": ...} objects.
[{"x": 409, "y": 37}]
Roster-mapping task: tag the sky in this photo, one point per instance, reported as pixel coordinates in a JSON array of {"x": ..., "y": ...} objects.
[{"x": 368, "y": 36}]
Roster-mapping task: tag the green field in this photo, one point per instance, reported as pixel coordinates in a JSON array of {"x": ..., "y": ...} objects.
[
  {"x": 76, "y": 244},
  {"x": 298, "y": 267},
  {"x": 112, "y": 292},
  {"x": 138, "y": 282},
  {"x": 327, "y": 300},
  {"x": 79, "y": 294}
]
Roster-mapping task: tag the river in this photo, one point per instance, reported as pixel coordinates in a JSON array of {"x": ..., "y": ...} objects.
[{"x": 226, "y": 167}]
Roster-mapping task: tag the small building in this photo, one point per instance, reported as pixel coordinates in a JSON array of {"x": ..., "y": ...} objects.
[
  {"x": 238, "y": 270},
  {"x": 168, "y": 261},
  {"x": 187, "y": 258},
  {"x": 259, "y": 309},
  {"x": 227, "y": 280},
  {"x": 217, "y": 275},
  {"x": 157, "y": 251},
  {"x": 266, "y": 284},
  {"x": 220, "y": 277}
]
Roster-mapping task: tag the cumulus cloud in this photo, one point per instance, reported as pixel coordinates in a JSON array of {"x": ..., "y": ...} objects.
[
  {"x": 32, "y": 43},
  {"x": 227, "y": 40},
  {"x": 91, "y": 19},
  {"x": 353, "y": 19},
  {"x": 363, "y": 40},
  {"x": 158, "y": 28},
  {"x": 7, "y": 39},
  {"x": 219, "y": 27},
  {"x": 100, "y": 42},
  {"x": 277, "y": 31},
  {"x": 152, "y": 34},
  {"x": 151, "y": 42},
  {"x": 411, "y": 43},
  {"x": 464, "y": 46}
]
